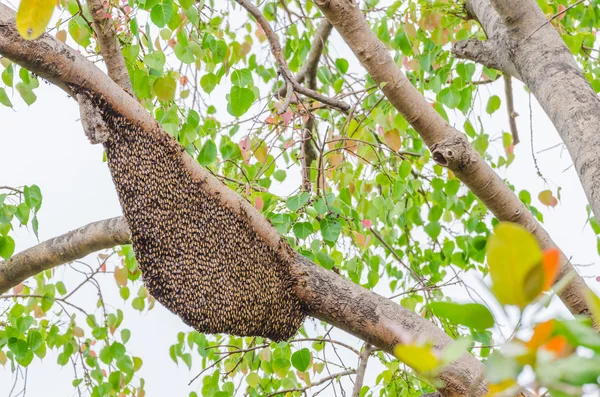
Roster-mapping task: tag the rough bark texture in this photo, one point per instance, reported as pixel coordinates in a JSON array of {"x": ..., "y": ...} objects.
[
  {"x": 544, "y": 63},
  {"x": 449, "y": 147},
  {"x": 63, "y": 249},
  {"x": 106, "y": 37},
  {"x": 309, "y": 72},
  {"x": 327, "y": 295}
]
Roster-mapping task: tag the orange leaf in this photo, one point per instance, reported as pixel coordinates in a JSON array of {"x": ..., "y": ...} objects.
[
  {"x": 551, "y": 264},
  {"x": 392, "y": 139},
  {"x": 259, "y": 203},
  {"x": 559, "y": 346},
  {"x": 547, "y": 198},
  {"x": 336, "y": 159},
  {"x": 541, "y": 334}
]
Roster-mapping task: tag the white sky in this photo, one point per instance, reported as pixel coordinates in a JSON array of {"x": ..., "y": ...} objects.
[{"x": 45, "y": 145}]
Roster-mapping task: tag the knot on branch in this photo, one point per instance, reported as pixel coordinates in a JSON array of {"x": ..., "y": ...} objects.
[{"x": 454, "y": 152}]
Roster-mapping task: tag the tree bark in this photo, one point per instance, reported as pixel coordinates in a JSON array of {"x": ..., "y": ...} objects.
[
  {"x": 449, "y": 147},
  {"x": 328, "y": 296},
  {"x": 106, "y": 37},
  {"x": 519, "y": 32}
]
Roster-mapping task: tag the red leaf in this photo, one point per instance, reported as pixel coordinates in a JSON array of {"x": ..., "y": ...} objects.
[{"x": 367, "y": 223}]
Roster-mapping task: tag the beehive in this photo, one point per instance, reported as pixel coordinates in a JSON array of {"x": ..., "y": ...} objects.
[{"x": 199, "y": 258}]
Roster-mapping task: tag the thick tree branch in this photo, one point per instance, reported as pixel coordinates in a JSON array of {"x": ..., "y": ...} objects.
[
  {"x": 326, "y": 295},
  {"x": 510, "y": 108},
  {"x": 110, "y": 50},
  {"x": 63, "y": 249},
  {"x": 283, "y": 67},
  {"x": 548, "y": 68},
  {"x": 449, "y": 147}
]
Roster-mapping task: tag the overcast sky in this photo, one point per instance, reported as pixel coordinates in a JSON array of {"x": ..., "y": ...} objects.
[{"x": 45, "y": 145}]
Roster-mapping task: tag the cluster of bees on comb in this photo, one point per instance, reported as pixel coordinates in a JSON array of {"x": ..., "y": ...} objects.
[{"x": 199, "y": 258}]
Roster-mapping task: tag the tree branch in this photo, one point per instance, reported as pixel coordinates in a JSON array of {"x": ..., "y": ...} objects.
[
  {"x": 510, "y": 107},
  {"x": 326, "y": 295},
  {"x": 547, "y": 67},
  {"x": 449, "y": 147},
  {"x": 316, "y": 383},
  {"x": 361, "y": 370},
  {"x": 63, "y": 249},
  {"x": 487, "y": 53},
  {"x": 106, "y": 36},
  {"x": 283, "y": 67},
  {"x": 309, "y": 72}
]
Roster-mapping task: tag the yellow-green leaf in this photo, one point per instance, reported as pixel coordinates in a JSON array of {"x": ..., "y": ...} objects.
[
  {"x": 33, "y": 17},
  {"x": 594, "y": 303},
  {"x": 419, "y": 358},
  {"x": 514, "y": 258}
]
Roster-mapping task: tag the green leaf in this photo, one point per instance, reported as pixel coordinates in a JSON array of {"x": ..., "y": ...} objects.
[
  {"x": 125, "y": 335},
  {"x": 301, "y": 359},
  {"x": 28, "y": 96},
  {"x": 19, "y": 347},
  {"x": 138, "y": 303},
  {"x": 342, "y": 65},
  {"x": 7, "y": 246},
  {"x": 80, "y": 31},
  {"x": 298, "y": 201},
  {"x": 164, "y": 87},
  {"x": 185, "y": 4},
  {"x": 33, "y": 197},
  {"x": 303, "y": 229},
  {"x": 33, "y": 16},
  {"x": 209, "y": 82},
  {"x": 472, "y": 315},
  {"x": 47, "y": 301},
  {"x": 241, "y": 77},
  {"x": 155, "y": 60},
  {"x": 218, "y": 49},
  {"x": 161, "y": 13},
  {"x": 330, "y": 229},
  {"x": 450, "y": 96},
  {"x": 34, "y": 339},
  {"x": 252, "y": 379},
  {"x": 4, "y": 98},
  {"x": 493, "y": 104},
  {"x": 208, "y": 154},
  {"x": 184, "y": 53},
  {"x": 240, "y": 100}
]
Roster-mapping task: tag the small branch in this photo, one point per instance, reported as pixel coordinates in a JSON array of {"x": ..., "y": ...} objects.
[
  {"x": 283, "y": 67},
  {"x": 553, "y": 18},
  {"x": 510, "y": 107},
  {"x": 106, "y": 36},
  {"x": 488, "y": 53},
  {"x": 361, "y": 370},
  {"x": 309, "y": 72},
  {"x": 317, "y": 383}
]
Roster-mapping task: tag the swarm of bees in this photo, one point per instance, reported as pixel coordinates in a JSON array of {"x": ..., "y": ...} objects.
[{"x": 199, "y": 258}]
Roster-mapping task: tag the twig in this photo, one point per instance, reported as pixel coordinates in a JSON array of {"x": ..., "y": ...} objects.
[
  {"x": 362, "y": 367},
  {"x": 510, "y": 107},
  {"x": 283, "y": 67},
  {"x": 317, "y": 383},
  {"x": 553, "y": 18}
]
